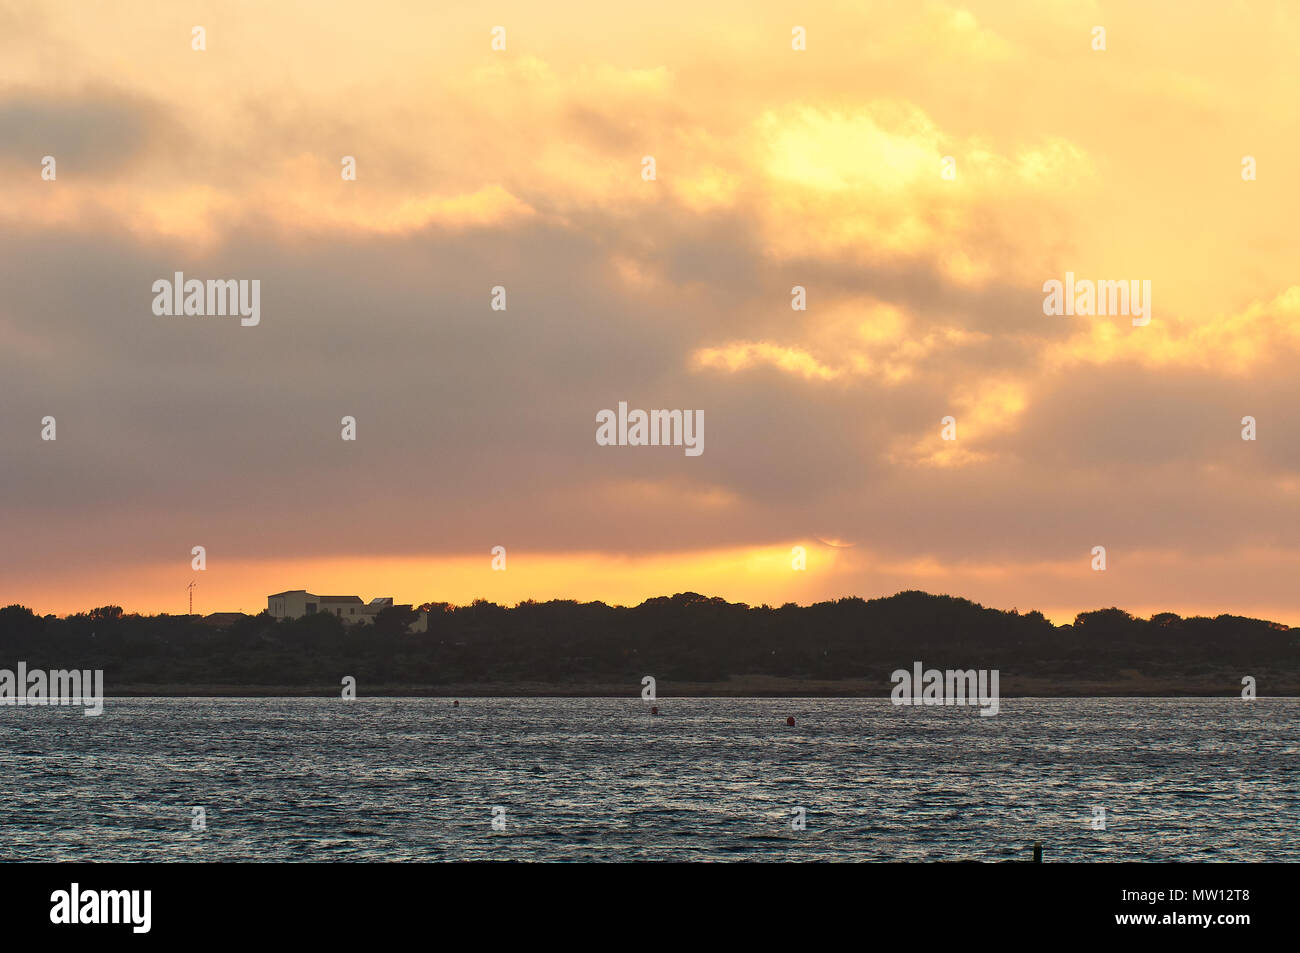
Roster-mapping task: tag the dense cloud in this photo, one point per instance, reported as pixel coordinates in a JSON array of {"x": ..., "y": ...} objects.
[{"x": 924, "y": 300}]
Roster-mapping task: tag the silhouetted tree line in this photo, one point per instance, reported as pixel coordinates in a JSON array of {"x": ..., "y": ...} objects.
[{"x": 686, "y": 637}]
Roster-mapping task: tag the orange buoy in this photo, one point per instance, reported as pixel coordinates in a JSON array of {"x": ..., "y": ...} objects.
[
  {"x": 654, "y": 709},
  {"x": 790, "y": 721}
]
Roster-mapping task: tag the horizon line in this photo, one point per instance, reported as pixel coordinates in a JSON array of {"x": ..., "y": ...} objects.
[{"x": 1014, "y": 610}]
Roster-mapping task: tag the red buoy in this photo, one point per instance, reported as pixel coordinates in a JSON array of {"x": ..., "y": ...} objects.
[
  {"x": 654, "y": 709},
  {"x": 790, "y": 721},
  {"x": 455, "y": 704}
]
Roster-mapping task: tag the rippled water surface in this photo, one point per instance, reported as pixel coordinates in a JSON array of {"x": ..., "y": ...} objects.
[{"x": 602, "y": 779}]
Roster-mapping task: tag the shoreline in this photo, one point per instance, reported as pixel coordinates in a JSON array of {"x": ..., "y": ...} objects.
[{"x": 749, "y": 687}]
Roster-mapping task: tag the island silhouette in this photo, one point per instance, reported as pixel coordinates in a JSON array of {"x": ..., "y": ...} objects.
[{"x": 691, "y": 644}]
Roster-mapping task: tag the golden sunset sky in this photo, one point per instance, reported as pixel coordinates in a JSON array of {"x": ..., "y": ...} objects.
[{"x": 775, "y": 168}]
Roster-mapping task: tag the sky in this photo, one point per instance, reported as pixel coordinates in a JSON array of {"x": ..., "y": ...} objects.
[{"x": 775, "y": 167}]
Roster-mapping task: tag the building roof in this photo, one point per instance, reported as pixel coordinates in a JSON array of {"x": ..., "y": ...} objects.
[
  {"x": 289, "y": 592},
  {"x": 222, "y": 618},
  {"x": 347, "y": 599}
]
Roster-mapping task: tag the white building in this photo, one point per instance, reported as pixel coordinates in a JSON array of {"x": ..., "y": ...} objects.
[{"x": 296, "y": 603}]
